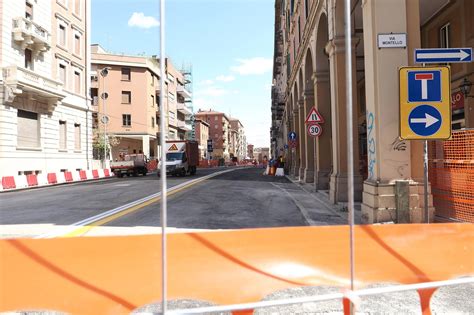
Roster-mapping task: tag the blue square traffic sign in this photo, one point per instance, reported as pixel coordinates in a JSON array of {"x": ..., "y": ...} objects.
[{"x": 424, "y": 86}]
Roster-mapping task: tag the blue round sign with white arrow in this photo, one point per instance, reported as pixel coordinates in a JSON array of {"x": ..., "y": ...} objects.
[
  {"x": 425, "y": 120},
  {"x": 292, "y": 135}
]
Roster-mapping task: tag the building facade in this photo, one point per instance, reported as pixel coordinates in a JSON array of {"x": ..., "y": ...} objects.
[
  {"x": 240, "y": 141},
  {"x": 309, "y": 70},
  {"x": 201, "y": 129},
  {"x": 219, "y": 132},
  {"x": 132, "y": 84},
  {"x": 45, "y": 116}
]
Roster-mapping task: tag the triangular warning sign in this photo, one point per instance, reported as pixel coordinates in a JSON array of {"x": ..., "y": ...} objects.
[
  {"x": 314, "y": 117},
  {"x": 173, "y": 147}
]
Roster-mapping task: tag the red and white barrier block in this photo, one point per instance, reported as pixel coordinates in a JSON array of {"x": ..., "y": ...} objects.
[{"x": 32, "y": 180}]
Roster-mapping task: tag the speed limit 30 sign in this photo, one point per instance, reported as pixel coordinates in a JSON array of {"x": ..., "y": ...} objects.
[{"x": 314, "y": 130}]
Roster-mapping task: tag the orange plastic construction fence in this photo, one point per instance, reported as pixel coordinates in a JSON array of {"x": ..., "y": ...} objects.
[
  {"x": 451, "y": 174},
  {"x": 115, "y": 275}
]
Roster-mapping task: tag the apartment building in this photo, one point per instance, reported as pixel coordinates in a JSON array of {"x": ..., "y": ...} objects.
[
  {"x": 250, "y": 151},
  {"x": 179, "y": 112},
  {"x": 218, "y": 131},
  {"x": 239, "y": 139},
  {"x": 132, "y": 108},
  {"x": 45, "y": 119},
  {"x": 201, "y": 129},
  {"x": 129, "y": 115}
]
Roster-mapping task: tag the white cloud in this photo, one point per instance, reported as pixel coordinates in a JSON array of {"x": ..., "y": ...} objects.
[
  {"x": 256, "y": 65},
  {"x": 225, "y": 78},
  {"x": 139, "y": 19}
]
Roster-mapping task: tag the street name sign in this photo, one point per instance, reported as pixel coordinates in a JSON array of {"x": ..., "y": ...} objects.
[
  {"x": 425, "y": 103},
  {"x": 314, "y": 117},
  {"x": 314, "y": 130},
  {"x": 392, "y": 40},
  {"x": 443, "y": 55}
]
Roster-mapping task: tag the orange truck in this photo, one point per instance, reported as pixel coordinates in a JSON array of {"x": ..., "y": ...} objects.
[{"x": 182, "y": 157}]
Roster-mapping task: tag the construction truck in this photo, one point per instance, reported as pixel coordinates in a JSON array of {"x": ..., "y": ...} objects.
[
  {"x": 130, "y": 164},
  {"x": 182, "y": 157}
]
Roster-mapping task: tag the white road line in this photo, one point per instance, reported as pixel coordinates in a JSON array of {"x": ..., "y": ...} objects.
[
  {"x": 69, "y": 228},
  {"x": 303, "y": 211}
]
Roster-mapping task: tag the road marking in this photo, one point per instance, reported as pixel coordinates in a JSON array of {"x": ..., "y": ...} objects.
[
  {"x": 303, "y": 210},
  {"x": 81, "y": 227}
]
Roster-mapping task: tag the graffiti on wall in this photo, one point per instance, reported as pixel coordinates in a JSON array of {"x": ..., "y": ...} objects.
[
  {"x": 371, "y": 157},
  {"x": 398, "y": 145}
]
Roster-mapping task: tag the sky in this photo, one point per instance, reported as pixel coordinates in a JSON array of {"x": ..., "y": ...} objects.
[{"x": 229, "y": 44}]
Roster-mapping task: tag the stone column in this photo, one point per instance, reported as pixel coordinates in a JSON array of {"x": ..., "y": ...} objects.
[
  {"x": 302, "y": 138},
  {"x": 389, "y": 158},
  {"x": 146, "y": 145},
  {"x": 296, "y": 151},
  {"x": 309, "y": 170},
  {"x": 322, "y": 92},
  {"x": 338, "y": 179}
]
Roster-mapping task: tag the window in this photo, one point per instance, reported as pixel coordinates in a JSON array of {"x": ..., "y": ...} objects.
[
  {"x": 62, "y": 74},
  {"x": 126, "y": 75},
  {"x": 215, "y": 118},
  {"x": 77, "y": 82},
  {"x": 171, "y": 96},
  {"x": 77, "y": 7},
  {"x": 126, "y": 97},
  {"x": 215, "y": 126},
  {"x": 62, "y": 135},
  {"x": 95, "y": 96},
  {"x": 152, "y": 122},
  {"x": 77, "y": 44},
  {"x": 172, "y": 115},
  {"x": 62, "y": 35},
  {"x": 306, "y": 8},
  {"x": 77, "y": 137},
  {"x": 152, "y": 100},
  {"x": 444, "y": 37},
  {"x": 28, "y": 59},
  {"x": 28, "y": 10},
  {"x": 27, "y": 129},
  {"x": 126, "y": 120},
  {"x": 292, "y": 4}
]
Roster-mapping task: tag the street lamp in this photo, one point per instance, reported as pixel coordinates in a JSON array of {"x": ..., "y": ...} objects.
[
  {"x": 105, "y": 119},
  {"x": 465, "y": 87}
]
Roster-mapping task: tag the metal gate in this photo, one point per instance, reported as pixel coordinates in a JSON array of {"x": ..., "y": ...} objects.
[{"x": 451, "y": 174}]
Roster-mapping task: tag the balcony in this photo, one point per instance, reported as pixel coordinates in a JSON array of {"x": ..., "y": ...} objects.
[
  {"x": 183, "y": 109},
  {"x": 183, "y": 92},
  {"x": 183, "y": 126},
  {"x": 30, "y": 35},
  {"x": 19, "y": 80}
]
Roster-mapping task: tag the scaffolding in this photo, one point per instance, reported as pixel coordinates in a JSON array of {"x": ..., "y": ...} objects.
[{"x": 187, "y": 71}]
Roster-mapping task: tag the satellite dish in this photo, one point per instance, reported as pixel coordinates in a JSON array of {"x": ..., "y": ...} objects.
[
  {"x": 104, "y": 95},
  {"x": 105, "y": 119}
]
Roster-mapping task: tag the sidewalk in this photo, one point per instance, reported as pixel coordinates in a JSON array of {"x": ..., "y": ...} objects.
[{"x": 315, "y": 205}]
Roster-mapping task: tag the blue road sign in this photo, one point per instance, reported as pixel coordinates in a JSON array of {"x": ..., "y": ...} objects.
[
  {"x": 425, "y": 120},
  {"x": 286, "y": 146},
  {"x": 424, "y": 86},
  {"x": 443, "y": 55},
  {"x": 292, "y": 135}
]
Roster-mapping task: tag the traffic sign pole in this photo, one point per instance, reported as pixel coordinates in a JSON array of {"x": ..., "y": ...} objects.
[{"x": 425, "y": 179}]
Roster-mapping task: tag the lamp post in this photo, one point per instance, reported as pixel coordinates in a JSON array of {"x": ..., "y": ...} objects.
[
  {"x": 465, "y": 88},
  {"x": 105, "y": 119}
]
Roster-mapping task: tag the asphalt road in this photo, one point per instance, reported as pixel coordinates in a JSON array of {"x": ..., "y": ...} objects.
[
  {"x": 240, "y": 199},
  {"x": 67, "y": 204}
]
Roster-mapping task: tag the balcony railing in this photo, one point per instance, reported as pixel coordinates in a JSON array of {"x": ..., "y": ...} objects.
[
  {"x": 182, "y": 90},
  {"x": 31, "y": 35},
  {"x": 183, "y": 126},
  {"x": 183, "y": 109}
]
